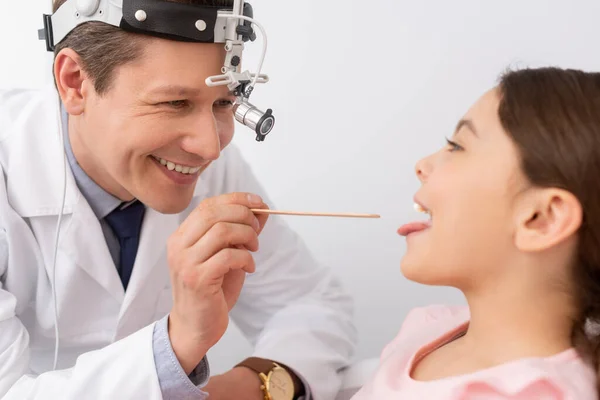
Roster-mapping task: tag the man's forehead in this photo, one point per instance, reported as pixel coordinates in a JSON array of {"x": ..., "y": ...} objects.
[{"x": 162, "y": 58}]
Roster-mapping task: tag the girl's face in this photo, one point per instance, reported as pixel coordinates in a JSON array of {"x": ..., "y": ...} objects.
[{"x": 469, "y": 189}]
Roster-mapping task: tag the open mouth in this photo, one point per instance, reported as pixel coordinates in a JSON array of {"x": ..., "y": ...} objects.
[
  {"x": 182, "y": 169},
  {"x": 417, "y": 226}
]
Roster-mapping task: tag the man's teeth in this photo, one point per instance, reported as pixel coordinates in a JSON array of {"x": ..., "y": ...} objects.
[{"x": 176, "y": 167}]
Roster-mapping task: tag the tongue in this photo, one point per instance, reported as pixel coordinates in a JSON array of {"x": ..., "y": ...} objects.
[{"x": 412, "y": 228}]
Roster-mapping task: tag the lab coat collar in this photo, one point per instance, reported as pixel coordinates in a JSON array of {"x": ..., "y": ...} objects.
[{"x": 37, "y": 159}]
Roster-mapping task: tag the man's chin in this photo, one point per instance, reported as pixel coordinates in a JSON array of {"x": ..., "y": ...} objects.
[
  {"x": 172, "y": 204},
  {"x": 162, "y": 194},
  {"x": 169, "y": 210}
]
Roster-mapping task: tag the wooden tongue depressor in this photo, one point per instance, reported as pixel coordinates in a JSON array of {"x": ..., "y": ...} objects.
[{"x": 314, "y": 214}]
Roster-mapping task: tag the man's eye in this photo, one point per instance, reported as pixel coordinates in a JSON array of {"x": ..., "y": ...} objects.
[
  {"x": 176, "y": 103},
  {"x": 224, "y": 103}
]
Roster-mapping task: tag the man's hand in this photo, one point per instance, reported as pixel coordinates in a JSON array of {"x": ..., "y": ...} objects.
[
  {"x": 208, "y": 257},
  {"x": 238, "y": 383}
]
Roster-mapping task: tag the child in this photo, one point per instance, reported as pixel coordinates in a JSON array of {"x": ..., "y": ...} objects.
[{"x": 514, "y": 207}]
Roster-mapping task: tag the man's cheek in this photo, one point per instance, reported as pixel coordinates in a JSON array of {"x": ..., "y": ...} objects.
[{"x": 225, "y": 137}]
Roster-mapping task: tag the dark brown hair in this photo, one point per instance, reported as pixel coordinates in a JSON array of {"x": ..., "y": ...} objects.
[
  {"x": 104, "y": 47},
  {"x": 553, "y": 117}
]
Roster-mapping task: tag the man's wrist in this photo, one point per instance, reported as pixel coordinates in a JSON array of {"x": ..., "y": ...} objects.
[
  {"x": 188, "y": 354},
  {"x": 235, "y": 384},
  {"x": 299, "y": 389},
  {"x": 249, "y": 380}
]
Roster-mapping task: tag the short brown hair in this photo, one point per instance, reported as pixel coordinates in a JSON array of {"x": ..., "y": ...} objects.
[{"x": 104, "y": 47}]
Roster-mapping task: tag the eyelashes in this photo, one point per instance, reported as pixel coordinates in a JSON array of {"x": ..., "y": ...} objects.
[{"x": 453, "y": 146}]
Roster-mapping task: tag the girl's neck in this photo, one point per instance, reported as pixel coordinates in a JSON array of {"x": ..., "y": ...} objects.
[{"x": 505, "y": 326}]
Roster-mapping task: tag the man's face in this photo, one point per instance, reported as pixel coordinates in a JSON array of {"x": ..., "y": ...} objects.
[{"x": 158, "y": 126}]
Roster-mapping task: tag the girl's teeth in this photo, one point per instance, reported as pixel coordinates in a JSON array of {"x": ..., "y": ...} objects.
[
  {"x": 419, "y": 208},
  {"x": 176, "y": 167}
]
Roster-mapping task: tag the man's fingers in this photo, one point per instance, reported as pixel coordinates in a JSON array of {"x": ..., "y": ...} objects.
[
  {"x": 226, "y": 260},
  {"x": 202, "y": 220},
  {"x": 223, "y": 235},
  {"x": 262, "y": 218},
  {"x": 232, "y": 286},
  {"x": 249, "y": 200}
]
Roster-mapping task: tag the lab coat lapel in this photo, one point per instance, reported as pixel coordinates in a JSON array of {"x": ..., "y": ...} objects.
[{"x": 84, "y": 242}]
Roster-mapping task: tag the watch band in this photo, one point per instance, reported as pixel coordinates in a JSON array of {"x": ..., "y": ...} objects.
[{"x": 261, "y": 365}]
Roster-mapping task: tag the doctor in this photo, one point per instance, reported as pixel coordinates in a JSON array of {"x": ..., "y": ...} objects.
[{"x": 128, "y": 155}]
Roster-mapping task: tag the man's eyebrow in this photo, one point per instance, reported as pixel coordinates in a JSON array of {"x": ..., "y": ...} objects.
[
  {"x": 466, "y": 123},
  {"x": 175, "y": 90},
  {"x": 181, "y": 91}
]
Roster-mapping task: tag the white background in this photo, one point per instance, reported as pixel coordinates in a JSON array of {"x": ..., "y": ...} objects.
[{"x": 361, "y": 90}]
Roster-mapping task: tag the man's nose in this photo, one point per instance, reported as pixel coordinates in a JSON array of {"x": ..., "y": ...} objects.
[{"x": 203, "y": 137}]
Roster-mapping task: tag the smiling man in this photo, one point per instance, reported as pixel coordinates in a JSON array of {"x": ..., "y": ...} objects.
[{"x": 128, "y": 153}]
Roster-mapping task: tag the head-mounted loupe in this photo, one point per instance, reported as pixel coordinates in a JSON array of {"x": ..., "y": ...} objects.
[{"x": 232, "y": 26}]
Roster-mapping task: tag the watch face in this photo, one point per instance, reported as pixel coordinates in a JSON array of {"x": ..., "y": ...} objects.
[{"x": 281, "y": 386}]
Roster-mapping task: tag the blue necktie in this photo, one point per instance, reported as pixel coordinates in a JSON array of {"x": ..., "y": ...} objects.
[{"x": 126, "y": 223}]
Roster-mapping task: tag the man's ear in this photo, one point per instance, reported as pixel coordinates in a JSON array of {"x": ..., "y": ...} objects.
[
  {"x": 71, "y": 80},
  {"x": 545, "y": 218}
]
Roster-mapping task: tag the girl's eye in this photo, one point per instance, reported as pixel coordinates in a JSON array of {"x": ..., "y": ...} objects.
[{"x": 453, "y": 146}]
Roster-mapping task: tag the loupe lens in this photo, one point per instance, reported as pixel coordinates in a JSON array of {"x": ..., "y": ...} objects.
[
  {"x": 267, "y": 125},
  {"x": 260, "y": 122}
]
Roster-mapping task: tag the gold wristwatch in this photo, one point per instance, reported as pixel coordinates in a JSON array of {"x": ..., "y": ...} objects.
[{"x": 277, "y": 382}]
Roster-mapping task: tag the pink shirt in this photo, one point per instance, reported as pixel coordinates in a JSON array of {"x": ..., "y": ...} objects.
[{"x": 563, "y": 376}]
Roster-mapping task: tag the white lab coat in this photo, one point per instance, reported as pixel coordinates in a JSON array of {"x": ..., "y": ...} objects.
[{"x": 292, "y": 309}]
